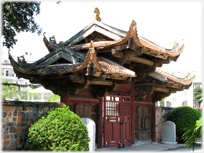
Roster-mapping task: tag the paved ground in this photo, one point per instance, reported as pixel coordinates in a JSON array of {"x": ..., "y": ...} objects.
[{"x": 153, "y": 147}]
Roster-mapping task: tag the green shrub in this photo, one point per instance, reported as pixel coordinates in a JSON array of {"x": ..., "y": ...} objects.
[
  {"x": 183, "y": 117},
  {"x": 58, "y": 130}
]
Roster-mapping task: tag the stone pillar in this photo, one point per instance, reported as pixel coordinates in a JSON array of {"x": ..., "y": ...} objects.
[
  {"x": 100, "y": 123},
  {"x": 91, "y": 126},
  {"x": 42, "y": 95}
]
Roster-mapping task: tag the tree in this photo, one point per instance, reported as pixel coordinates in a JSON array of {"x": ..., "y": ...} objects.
[
  {"x": 54, "y": 98},
  {"x": 198, "y": 94},
  {"x": 162, "y": 102},
  {"x": 14, "y": 90},
  {"x": 19, "y": 17},
  {"x": 8, "y": 91}
]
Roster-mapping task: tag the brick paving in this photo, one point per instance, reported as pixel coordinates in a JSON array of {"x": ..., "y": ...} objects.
[{"x": 154, "y": 147}]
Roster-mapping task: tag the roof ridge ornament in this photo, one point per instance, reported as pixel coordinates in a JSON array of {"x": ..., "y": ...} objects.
[
  {"x": 97, "y": 13},
  {"x": 61, "y": 43},
  {"x": 91, "y": 45},
  {"x": 133, "y": 23}
]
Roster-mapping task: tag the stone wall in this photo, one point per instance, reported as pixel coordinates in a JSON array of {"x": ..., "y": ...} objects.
[
  {"x": 17, "y": 117},
  {"x": 161, "y": 115}
]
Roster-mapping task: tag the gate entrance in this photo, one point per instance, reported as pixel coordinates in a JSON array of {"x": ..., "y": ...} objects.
[{"x": 117, "y": 121}]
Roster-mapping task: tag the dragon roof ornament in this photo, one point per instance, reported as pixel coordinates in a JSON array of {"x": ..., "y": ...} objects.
[{"x": 97, "y": 13}]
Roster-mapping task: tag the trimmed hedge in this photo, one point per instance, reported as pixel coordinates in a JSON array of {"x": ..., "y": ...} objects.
[
  {"x": 183, "y": 117},
  {"x": 58, "y": 130}
]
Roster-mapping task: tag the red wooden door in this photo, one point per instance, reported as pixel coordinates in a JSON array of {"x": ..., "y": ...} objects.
[
  {"x": 126, "y": 115},
  {"x": 117, "y": 121}
]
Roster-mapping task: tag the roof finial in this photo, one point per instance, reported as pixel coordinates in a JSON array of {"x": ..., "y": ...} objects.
[
  {"x": 133, "y": 23},
  {"x": 91, "y": 44},
  {"x": 97, "y": 13}
]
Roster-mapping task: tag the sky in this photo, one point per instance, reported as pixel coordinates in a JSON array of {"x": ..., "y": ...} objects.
[{"x": 162, "y": 22}]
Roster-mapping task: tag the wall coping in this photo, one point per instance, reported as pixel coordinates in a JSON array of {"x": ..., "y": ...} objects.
[
  {"x": 199, "y": 109},
  {"x": 30, "y": 104},
  {"x": 165, "y": 107}
]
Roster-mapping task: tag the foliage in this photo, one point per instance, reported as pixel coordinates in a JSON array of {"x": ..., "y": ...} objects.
[
  {"x": 192, "y": 133},
  {"x": 21, "y": 85},
  {"x": 53, "y": 98},
  {"x": 168, "y": 103},
  {"x": 162, "y": 102},
  {"x": 198, "y": 94},
  {"x": 58, "y": 130},
  {"x": 27, "y": 95},
  {"x": 183, "y": 117},
  {"x": 19, "y": 17},
  {"x": 9, "y": 91}
]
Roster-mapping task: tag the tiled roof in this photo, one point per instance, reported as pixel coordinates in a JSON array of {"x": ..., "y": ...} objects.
[{"x": 151, "y": 48}]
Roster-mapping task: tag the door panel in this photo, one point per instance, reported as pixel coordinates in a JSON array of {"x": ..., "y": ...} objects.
[
  {"x": 143, "y": 123},
  {"x": 126, "y": 111},
  {"x": 117, "y": 110},
  {"x": 112, "y": 135}
]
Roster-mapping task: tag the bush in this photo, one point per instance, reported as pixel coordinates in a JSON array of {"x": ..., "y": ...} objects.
[
  {"x": 183, "y": 117},
  {"x": 58, "y": 130}
]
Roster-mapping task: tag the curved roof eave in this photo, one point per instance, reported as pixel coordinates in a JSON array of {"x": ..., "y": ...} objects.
[
  {"x": 91, "y": 57},
  {"x": 184, "y": 81}
]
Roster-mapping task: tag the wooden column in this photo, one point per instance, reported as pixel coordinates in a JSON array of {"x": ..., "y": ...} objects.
[
  {"x": 61, "y": 99},
  {"x": 132, "y": 113},
  {"x": 153, "y": 123},
  {"x": 65, "y": 100},
  {"x": 100, "y": 123}
]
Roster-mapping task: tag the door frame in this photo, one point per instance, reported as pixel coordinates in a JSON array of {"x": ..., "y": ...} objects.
[{"x": 118, "y": 121}]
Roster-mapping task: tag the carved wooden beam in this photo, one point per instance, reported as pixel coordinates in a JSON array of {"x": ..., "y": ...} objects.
[
  {"x": 135, "y": 52},
  {"x": 140, "y": 60},
  {"x": 151, "y": 69},
  {"x": 174, "y": 85},
  {"x": 76, "y": 78},
  {"x": 115, "y": 77},
  {"x": 140, "y": 76},
  {"x": 160, "y": 62},
  {"x": 161, "y": 90},
  {"x": 156, "y": 85},
  {"x": 155, "y": 54},
  {"x": 157, "y": 97},
  {"x": 101, "y": 91},
  {"x": 116, "y": 53},
  {"x": 103, "y": 83},
  {"x": 141, "y": 92}
]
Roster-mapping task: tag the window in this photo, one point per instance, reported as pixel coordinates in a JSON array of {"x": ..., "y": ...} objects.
[
  {"x": 184, "y": 103},
  {"x": 7, "y": 73}
]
